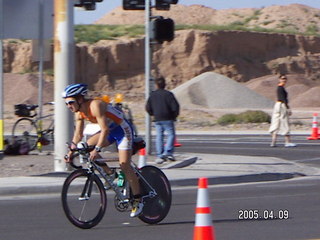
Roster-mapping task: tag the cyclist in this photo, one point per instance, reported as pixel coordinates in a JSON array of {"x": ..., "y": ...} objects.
[{"x": 113, "y": 127}]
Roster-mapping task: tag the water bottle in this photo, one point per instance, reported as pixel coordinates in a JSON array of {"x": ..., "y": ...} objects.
[{"x": 121, "y": 179}]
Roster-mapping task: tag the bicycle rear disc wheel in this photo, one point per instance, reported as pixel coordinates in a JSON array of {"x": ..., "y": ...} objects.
[
  {"x": 155, "y": 208},
  {"x": 84, "y": 199},
  {"x": 25, "y": 130}
]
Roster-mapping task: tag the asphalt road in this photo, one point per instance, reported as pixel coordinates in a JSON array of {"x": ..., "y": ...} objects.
[
  {"x": 307, "y": 151},
  {"x": 299, "y": 198},
  {"x": 294, "y": 205}
]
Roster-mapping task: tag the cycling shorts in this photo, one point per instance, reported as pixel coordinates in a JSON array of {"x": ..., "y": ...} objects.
[{"x": 121, "y": 134}]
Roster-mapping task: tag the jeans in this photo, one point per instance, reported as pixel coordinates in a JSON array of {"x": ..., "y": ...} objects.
[{"x": 161, "y": 128}]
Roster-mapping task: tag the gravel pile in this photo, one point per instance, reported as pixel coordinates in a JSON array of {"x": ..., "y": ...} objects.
[{"x": 214, "y": 91}]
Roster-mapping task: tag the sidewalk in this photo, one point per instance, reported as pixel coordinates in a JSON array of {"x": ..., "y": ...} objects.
[{"x": 219, "y": 169}]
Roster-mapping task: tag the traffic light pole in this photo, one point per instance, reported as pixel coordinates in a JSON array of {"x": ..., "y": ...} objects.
[
  {"x": 63, "y": 75},
  {"x": 1, "y": 84},
  {"x": 148, "y": 62}
]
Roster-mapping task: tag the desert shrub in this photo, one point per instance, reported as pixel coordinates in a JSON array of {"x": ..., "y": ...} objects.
[
  {"x": 245, "y": 117},
  {"x": 254, "y": 117},
  {"x": 227, "y": 119},
  {"x": 312, "y": 30}
]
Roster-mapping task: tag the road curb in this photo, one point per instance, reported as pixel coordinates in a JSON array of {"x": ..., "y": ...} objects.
[
  {"x": 181, "y": 164},
  {"x": 263, "y": 177}
]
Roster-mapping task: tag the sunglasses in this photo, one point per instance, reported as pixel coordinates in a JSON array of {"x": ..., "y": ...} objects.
[{"x": 70, "y": 102}]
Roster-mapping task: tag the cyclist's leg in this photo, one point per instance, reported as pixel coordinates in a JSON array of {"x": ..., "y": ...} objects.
[
  {"x": 137, "y": 204},
  {"x": 124, "y": 138},
  {"x": 124, "y": 161}
]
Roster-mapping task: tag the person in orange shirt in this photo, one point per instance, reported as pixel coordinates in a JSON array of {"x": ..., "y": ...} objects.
[{"x": 113, "y": 128}]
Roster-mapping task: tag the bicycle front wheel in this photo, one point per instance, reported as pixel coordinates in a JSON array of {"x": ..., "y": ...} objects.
[
  {"x": 25, "y": 130},
  {"x": 84, "y": 199},
  {"x": 155, "y": 207}
]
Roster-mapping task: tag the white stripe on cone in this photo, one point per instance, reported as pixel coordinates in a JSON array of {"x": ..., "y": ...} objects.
[
  {"x": 203, "y": 198},
  {"x": 142, "y": 158},
  {"x": 203, "y": 220}
]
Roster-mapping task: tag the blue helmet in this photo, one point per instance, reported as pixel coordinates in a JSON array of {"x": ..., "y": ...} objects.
[{"x": 75, "y": 90}]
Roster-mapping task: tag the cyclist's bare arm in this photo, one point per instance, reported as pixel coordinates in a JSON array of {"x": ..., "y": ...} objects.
[
  {"x": 79, "y": 127},
  {"x": 78, "y": 133}
]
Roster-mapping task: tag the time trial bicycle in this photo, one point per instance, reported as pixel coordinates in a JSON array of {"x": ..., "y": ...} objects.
[{"x": 84, "y": 197}]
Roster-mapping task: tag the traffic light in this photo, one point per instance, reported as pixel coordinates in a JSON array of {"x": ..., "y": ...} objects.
[
  {"x": 133, "y": 4},
  {"x": 164, "y": 4},
  {"x": 140, "y": 4},
  {"x": 88, "y": 5},
  {"x": 162, "y": 29}
]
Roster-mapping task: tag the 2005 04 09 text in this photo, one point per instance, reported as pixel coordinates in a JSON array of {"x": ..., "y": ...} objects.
[{"x": 255, "y": 214}]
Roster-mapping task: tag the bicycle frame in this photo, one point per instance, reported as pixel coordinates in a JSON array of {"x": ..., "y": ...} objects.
[
  {"x": 95, "y": 165},
  {"x": 40, "y": 119}
]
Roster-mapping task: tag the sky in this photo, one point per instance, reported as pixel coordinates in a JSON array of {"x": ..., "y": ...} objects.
[{"x": 102, "y": 8}]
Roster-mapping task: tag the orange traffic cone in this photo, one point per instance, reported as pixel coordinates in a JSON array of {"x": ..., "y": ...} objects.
[
  {"x": 142, "y": 158},
  {"x": 314, "y": 133},
  {"x": 176, "y": 143},
  {"x": 203, "y": 229}
]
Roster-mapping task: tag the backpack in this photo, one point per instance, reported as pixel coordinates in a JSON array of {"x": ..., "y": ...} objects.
[{"x": 17, "y": 147}]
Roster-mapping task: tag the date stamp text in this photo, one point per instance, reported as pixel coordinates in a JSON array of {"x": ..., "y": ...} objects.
[{"x": 255, "y": 214}]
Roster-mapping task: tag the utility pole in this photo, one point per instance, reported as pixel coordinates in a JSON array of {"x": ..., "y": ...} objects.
[
  {"x": 64, "y": 75},
  {"x": 41, "y": 59},
  {"x": 1, "y": 83},
  {"x": 148, "y": 62}
]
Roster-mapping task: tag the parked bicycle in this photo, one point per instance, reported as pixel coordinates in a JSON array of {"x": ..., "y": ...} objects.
[
  {"x": 33, "y": 129},
  {"x": 84, "y": 197}
]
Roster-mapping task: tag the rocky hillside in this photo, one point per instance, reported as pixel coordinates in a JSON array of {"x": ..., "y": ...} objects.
[
  {"x": 294, "y": 17},
  {"x": 239, "y": 55}
]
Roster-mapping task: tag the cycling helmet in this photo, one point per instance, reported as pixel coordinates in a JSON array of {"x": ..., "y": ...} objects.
[{"x": 75, "y": 90}]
